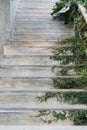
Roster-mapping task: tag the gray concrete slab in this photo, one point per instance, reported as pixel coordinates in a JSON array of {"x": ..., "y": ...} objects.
[{"x": 43, "y": 127}]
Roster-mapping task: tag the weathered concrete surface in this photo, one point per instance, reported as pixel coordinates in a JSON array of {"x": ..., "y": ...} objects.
[
  {"x": 43, "y": 128},
  {"x": 13, "y": 9}
]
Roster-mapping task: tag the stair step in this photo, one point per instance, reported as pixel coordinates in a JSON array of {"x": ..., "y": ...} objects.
[
  {"x": 47, "y": 127},
  {"x": 30, "y": 85},
  {"x": 25, "y": 50},
  {"x": 25, "y": 83},
  {"x": 33, "y": 30},
  {"x": 17, "y": 71},
  {"x": 31, "y": 98},
  {"x": 21, "y": 31},
  {"x": 42, "y": 37},
  {"x": 30, "y": 61},
  {"x": 32, "y": 40},
  {"x": 32, "y": 72},
  {"x": 28, "y": 118},
  {"x": 36, "y": 4},
  {"x": 33, "y": 13},
  {"x": 31, "y": 44}
]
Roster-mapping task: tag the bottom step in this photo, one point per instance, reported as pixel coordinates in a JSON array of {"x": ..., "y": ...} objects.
[
  {"x": 43, "y": 127},
  {"x": 30, "y": 118}
]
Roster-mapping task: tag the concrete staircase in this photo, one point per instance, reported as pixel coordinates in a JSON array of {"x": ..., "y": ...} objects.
[{"x": 26, "y": 70}]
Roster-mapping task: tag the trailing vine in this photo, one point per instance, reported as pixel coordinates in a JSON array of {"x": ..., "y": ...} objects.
[
  {"x": 79, "y": 117},
  {"x": 67, "y": 97}
]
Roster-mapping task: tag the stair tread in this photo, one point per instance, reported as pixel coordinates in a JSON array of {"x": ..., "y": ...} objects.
[
  {"x": 23, "y": 50},
  {"x": 31, "y": 98},
  {"x": 47, "y": 127},
  {"x": 26, "y": 60},
  {"x": 41, "y": 36},
  {"x": 14, "y": 71},
  {"x": 32, "y": 72},
  {"x": 25, "y": 83}
]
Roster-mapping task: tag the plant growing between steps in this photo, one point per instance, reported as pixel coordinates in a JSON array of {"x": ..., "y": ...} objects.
[
  {"x": 68, "y": 83},
  {"x": 67, "y": 97},
  {"x": 78, "y": 63},
  {"x": 79, "y": 117},
  {"x": 71, "y": 56}
]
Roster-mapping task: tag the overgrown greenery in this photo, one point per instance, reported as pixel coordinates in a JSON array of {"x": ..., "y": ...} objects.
[
  {"x": 67, "y": 97},
  {"x": 72, "y": 56},
  {"x": 79, "y": 117},
  {"x": 71, "y": 9},
  {"x": 81, "y": 30},
  {"x": 68, "y": 83}
]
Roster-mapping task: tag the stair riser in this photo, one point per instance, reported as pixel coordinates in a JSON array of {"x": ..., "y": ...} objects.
[
  {"x": 31, "y": 40},
  {"x": 20, "y": 20},
  {"x": 43, "y": 31},
  {"x": 21, "y": 9},
  {"x": 31, "y": 44},
  {"x": 28, "y": 30}
]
